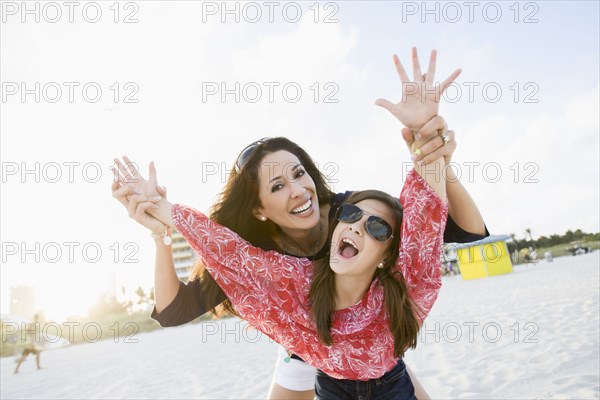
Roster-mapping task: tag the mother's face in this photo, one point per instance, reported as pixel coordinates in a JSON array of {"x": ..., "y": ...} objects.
[{"x": 286, "y": 192}]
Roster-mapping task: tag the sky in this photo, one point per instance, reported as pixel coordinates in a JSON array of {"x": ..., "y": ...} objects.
[{"x": 189, "y": 84}]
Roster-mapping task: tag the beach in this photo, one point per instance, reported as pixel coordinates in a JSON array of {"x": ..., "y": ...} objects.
[{"x": 534, "y": 333}]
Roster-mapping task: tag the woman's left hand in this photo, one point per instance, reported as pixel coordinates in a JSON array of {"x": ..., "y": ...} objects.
[
  {"x": 421, "y": 97},
  {"x": 428, "y": 144}
]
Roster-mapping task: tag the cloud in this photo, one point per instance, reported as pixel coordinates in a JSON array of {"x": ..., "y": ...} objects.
[{"x": 309, "y": 52}]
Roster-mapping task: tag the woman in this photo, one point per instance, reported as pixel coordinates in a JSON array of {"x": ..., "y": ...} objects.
[
  {"x": 357, "y": 338},
  {"x": 177, "y": 303}
]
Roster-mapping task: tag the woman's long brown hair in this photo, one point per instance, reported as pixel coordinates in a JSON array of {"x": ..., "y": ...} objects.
[
  {"x": 401, "y": 310},
  {"x": 239, "y": 198}
]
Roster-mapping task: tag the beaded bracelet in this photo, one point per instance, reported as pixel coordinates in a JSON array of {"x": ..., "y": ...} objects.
[{"x": 164, "y": 235}]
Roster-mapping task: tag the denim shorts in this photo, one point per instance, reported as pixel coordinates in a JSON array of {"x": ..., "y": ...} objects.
[{"x": 395, "y": 384}]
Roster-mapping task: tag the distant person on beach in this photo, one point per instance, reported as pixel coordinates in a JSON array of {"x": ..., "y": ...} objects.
[
  {"x": 32, "y": 333},
  {"x": 530, "y": 255},
  {"x": 451, "y": 271},
  {"x": 177, "y": 303}
]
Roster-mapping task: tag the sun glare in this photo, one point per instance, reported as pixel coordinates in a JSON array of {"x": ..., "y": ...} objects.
[{"x": 67, "y": 291}]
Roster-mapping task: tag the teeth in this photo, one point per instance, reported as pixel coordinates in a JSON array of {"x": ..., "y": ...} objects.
[
  {"x": 302, "y": 208},
  {"x": 350, "y": 242}
]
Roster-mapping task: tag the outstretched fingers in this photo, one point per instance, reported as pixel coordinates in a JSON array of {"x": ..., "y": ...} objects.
[
  {"x": 133, "y": 170},
  {"x": 385, "y": 103},
  {"x": 120, "y": 190},
  {"x": 116, "y": 184},
  {"x": 400, "y": 69},
  {"x": 121, "y": 170},
  {"x": 128, "y": 170},
  {"x": 431, "y": 69},
  {"x": 449, "y": 80},
  {"x": 116, "y": 187},
  {"x": 417, "y": 75},
  {"x": 152, "y": 174}
]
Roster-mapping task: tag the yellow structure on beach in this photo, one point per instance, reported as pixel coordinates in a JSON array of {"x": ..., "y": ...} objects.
[{"x": 483, "y": 258}]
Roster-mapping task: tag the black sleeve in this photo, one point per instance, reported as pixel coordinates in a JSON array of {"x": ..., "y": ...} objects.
[
  {"x": 455, "y": 234},
  {"x": 186, "y": 306}
]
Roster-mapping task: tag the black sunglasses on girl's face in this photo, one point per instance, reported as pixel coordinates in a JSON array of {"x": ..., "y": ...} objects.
[
  {"x": 245, "y": 154},
  {"x": 376, "y": 226}
]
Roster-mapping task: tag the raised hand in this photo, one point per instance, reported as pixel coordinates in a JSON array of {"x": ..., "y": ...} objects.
[
  {"x": 129, "y": 176},
  {"x": 138, "y": 194},
  {"x": 421, "y": 97}
]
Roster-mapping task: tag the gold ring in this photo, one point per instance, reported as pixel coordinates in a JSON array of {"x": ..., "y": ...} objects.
[{"x": 445, "y": 138}]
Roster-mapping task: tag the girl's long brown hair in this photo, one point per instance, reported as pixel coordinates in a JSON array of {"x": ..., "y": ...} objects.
[
  {"x": 239, "y": 198},
  {"x": 402, "y": 312}
]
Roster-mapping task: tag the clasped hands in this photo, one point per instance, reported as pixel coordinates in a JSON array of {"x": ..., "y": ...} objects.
[{"x": 137, "y": 194}]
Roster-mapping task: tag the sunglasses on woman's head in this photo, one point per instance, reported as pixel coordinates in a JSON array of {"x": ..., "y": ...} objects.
[
  {"x": 376, "y": 226},
  {"x": 245, "y": 154}
]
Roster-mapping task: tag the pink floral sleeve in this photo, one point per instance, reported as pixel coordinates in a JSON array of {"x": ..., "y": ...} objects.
[
  {"x": 269, "y": 289},
  {"x": 423, "y": 224}
]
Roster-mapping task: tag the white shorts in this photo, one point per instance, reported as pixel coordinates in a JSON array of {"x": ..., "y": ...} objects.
[{"x": 295, "y": 375}]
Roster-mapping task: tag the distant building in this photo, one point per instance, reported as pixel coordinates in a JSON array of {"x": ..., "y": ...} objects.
[
  {"x": 183, "y": 257},
  {"x": 483, "y": 258},
  {"x": 22, "y": 301}
]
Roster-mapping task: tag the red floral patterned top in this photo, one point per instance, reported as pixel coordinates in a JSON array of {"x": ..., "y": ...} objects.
[{"x": 270, "y": 290}]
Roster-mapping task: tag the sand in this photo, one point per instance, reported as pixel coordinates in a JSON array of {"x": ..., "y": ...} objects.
[
  {"x": 537, "y": 334},
  {"x": 534, "y": 333}
]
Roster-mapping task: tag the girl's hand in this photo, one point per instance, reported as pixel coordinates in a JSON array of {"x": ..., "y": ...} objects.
[
  {"x": 130, "y": 177},
  {"x": 420, "y": 98},
  {"x": 137, "y": 204}
]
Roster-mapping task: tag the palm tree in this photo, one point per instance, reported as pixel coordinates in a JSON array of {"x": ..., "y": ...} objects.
[
  {"x": 513, "y": 248},
  {"x": 528, "y": 231}
]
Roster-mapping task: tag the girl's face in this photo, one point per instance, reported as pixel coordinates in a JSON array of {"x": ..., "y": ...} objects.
[
  {"x": 287, "y": 193},
  {"x": 354, "y": 252}
]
